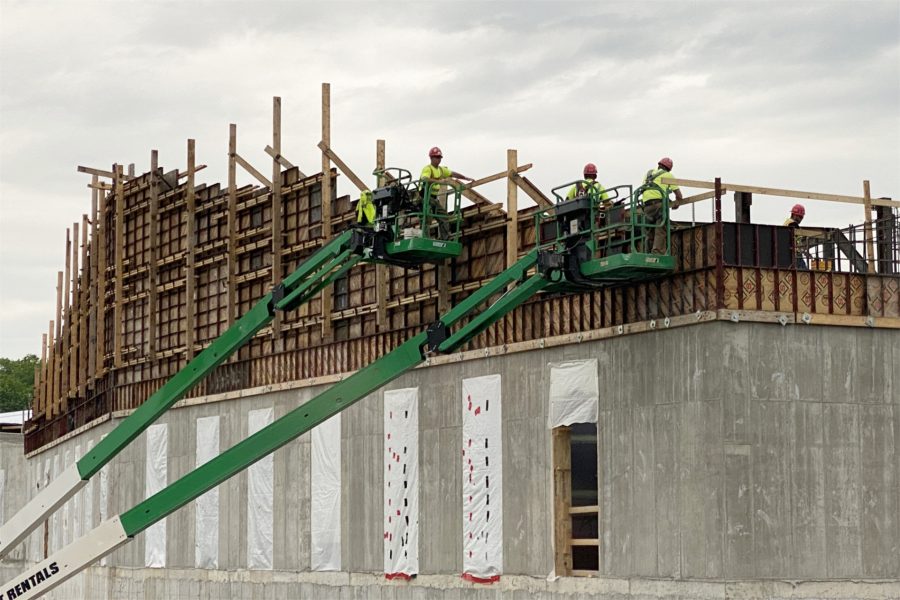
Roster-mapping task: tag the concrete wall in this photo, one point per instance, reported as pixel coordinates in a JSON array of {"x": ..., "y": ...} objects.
[
  {"x": 726, "y": 452},
  {"x": 14, "y": 487}
]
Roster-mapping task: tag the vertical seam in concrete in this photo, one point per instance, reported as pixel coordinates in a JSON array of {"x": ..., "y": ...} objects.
[
  {"x": 825, "y": 487},
  {"x": 859, "y": 494}
]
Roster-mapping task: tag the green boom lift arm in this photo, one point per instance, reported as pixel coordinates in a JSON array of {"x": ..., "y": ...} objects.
[
  {"x": 320, "y": 269},
  {"x": 527, "y": 277}
]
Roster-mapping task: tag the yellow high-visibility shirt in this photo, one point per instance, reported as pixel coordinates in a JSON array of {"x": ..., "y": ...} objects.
[
  {"x": 586, "y": 186},
  {"x": 439, "y": 172},
  {"x": 657, "y": 176},
  {"x": 365, "y": 209}
]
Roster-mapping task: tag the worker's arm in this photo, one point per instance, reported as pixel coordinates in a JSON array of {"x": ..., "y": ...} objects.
[
  {"x": 678, "y": 199},
  {"x": 460, "y": 176}
]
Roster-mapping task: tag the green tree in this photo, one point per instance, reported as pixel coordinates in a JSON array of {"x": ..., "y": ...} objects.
[{"x": 16, "y": 382}]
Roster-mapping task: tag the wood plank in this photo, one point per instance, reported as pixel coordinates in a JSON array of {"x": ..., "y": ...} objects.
[
  {"x": 41, "y": 386},
  {"x": 153, "y": 301},
  {"x": 252, "y": 170},
  {"x": 120, "y": 270},
  {"x": 72, "y": 384},
  {"x": 512, "y": 170},
  {"x": 83, "y": 307},
  {"x": 101, "y": 233},
  {"x": 562, "y": 500},
  {"x": 767, "y": 191},
  {"x": 232, "y": 224},
  {"x": 512, "y": 209},
  {"x": 326, "y": 295},
  {"x": 190, "y": 218},
  {"x": 50, "y": 398},
  {"x": 282, "y": 160},
  {"x": 277, "y": 209},
  {"x": 381, "y": 270},
  {"x": 870, "y": 240},
  {"x": 532, "y": 191},
  {"x": 326, "y": 150}
]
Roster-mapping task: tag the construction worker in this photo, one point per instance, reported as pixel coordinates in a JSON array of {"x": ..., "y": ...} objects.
[
  {"x": 365, "y": 209},
  {"x": 588, "y": 184},
  {"x": 652, "y": 205},
  {"x": 435, "y": 171},
  {"x": 797, "y": 213}
]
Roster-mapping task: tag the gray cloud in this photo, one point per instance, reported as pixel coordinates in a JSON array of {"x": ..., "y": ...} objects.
[{"x": 802, "y": 95}]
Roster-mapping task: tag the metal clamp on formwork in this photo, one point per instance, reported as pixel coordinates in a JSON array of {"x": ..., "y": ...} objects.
[
  {"x": 620, "y": 329},
  {"x": 666, "y": 322},
  {"x": 735, "y": 318},
  {"x": 870, "y": 321},
  {"x": 782, "y": 320},
  {"x": 652, "y": 323},
  {"x": 806, "y": 318}
]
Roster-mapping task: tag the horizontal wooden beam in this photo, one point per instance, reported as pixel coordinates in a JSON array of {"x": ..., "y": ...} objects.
[
  {"x": 496, "y": 176},
  {"x": 250, "y": 169},
  {"x": 343, "y": 167},
  {"x": 766, "y": 191},
  {"x": 585, "y": 542},
  {"x": 584, "y": 510},
  {"x": 100, "y": 186},
  {"x": 100, "y": 172},
  {"x": 697, "y": 198},
  {"x": 282, "y": 160},
  {"x": 197, "y": 168}
]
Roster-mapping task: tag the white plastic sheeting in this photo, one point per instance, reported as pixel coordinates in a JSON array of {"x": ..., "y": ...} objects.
[
  {"x": 260, "y": 480},
  {"x": 401, "y": 483},
  {"x": 574, "y": 393},
  {"x": 156, "y": 479},
  {"x": 482, "y": 459},
  {"x": 56, "y": 521},
  {"x": 325, "y": 494},
  {"x": 104, "y": 498},
  {"x": 75, "y": 530},
  {"x": 206, "y": 525}
]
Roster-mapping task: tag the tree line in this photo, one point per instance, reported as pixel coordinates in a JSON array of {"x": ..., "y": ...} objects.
[{"x": 17, "y": 382}]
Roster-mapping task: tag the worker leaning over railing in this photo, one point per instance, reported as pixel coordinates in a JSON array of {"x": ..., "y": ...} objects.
[
  {"x": 434, "y": 171},
  {"x": 801, "y": 253},
  {"x": 654, "y": 211}
]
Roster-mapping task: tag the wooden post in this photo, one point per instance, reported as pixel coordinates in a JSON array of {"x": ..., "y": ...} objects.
[
  {"x": 49, "y": 398},
  {"x": 153, "y": 300},
  {"x": 232, "y": 222},
  {"x": 190, "y": 281},
  {"x": 512, "y": 210},
  {"x": 100, "y": 234},
  {"x": 327, "y": 300},
  {"x": 870, "y": 241},
  {"x": 382, "y": 273},
  {"x": 84, "y": 305},
  {"x": 74, "y": 309},
  {"x": 91, "y": 360},
  {"x": 562, "y": 500},
  {"x": 41, "y": 386},
  {"x": 57, "y": 343},
  {"x": 277, "y": 239},
  {"x": 65, "y": 344},
  {"x": 120, "y": 265}
]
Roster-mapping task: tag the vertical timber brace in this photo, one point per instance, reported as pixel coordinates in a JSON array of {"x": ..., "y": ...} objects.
[
  {"x": 562, "y": 500},
  {"x": 190, "y": 280},
  {"x": 232, "y": 223},
  {"x": 154, "y": 257},
  {"x": 382, "y": 273},
  {"x": 277, "y": 238},
  {"x": 327, "y": 301},
  {"x": 120, "y": 265}
]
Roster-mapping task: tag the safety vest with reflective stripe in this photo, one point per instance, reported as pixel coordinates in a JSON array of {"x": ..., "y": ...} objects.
[{"x": 656, "y": 176}]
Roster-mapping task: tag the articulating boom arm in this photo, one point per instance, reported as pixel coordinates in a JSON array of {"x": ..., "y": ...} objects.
[
  {"x": 117, "y": 531},
  {"x": 319, "y": 270}
]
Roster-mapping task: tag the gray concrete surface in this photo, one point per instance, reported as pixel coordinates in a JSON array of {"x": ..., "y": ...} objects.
[{"x": 747, "y": 452}]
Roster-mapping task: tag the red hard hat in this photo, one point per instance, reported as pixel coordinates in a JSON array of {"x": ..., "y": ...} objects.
[
  {"x": 666, "y": 162},
  {"x": 435, "y": 152},
  {"x": 590, "y": 169},
  {"x": 798, "y": 210}
]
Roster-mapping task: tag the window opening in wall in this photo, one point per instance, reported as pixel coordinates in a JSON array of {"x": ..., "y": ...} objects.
[
  {"x": 576, "y": 499},
  {"x": 256, "y": 216}
]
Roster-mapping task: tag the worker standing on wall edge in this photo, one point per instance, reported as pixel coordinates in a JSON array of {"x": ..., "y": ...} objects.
[
  {"x": 797, "y": 213},
  {"x": 652, "y": 205},
  {"x": 432, "y": 172}
]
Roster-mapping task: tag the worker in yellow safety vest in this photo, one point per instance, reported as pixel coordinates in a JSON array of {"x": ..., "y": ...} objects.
[
  {"x": 365, "y": 209},
  {"x": 588, "y": 184},
  {"x": 435, "y": 171},
  {"x": 652, "y": 205},
  {"x": 798, "y": 211}
]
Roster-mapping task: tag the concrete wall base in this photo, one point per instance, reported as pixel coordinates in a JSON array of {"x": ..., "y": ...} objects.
[{"x": 115, "y": 583}]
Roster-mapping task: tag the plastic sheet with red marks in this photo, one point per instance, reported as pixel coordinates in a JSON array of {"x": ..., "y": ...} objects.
[{"x": 401, "y": 483}]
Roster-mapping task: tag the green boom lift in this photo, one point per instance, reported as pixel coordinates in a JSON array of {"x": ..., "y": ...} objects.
[
  {"x": 400, "y": 235},
  {"x": 589, "y": 249}
]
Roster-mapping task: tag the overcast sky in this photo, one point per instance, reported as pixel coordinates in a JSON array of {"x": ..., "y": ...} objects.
[{"x": 801, "y": 95}]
